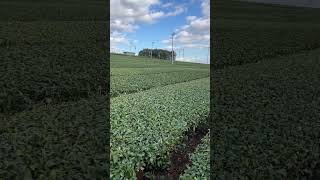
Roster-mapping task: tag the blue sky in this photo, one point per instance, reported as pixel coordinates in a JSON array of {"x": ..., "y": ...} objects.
[{"x": 135, "y": 24}]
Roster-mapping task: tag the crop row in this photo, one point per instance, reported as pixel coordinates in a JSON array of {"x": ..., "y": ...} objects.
[
  {"x": 137, "y": 71},
  {"x": 32, "y": 74},
  {"x": 134, "y": 83},
  {"x": 48, "y": 10},
  {"x": 125, "y": 61},
  {"x": 237, "y": 43},
  {"x": 242, "y": 34},
  {"x": 266, "y": 119},
  {"x": 199, "y": 169},
  {"x": 65, "y": 141},
  {"x": 240, "y": 10},
  {"x": 53, "y": 32},
  {"x": 146, "y": 126}
]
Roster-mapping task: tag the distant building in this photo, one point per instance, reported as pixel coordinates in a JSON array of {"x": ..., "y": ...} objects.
[{"x": 129, "y": 53}]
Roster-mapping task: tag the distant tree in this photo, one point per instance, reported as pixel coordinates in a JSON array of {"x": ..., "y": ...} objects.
[{"x": 158, "y": 53}]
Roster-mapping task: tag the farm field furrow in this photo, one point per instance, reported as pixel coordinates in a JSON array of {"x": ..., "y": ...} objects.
[
  {"x": 266, "y": 119},
  {"x": 146, "y": 126},
  {"x": 135, "y": 83},
  {"x": 199, "y": 167}
]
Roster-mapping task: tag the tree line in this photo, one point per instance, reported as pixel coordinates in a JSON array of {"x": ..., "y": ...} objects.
[{"x": 158, "y": 53}]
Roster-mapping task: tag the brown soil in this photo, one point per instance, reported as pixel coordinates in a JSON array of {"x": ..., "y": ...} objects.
[{"x": 179, "y": 159}]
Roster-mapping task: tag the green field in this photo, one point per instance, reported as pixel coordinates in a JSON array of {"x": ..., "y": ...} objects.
[
  {"x": 244, "y": 35},
  {"x": 265, "y": 85},
  {"x": 153, "y": 104},
  {"x": 53, "y": 87}
]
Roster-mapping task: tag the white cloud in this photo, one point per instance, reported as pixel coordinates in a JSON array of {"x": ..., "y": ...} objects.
[
  {"x": 178, "y": 10},
  {"x": 120, "y": 25},
  {"x": 205, "y": 5},
  {"x": 196, "y": 33},
  {"x": 166, "y": 5},
  {"x": 125, "y": 15},
  {"x": 117, "y": 38},
  {"x": 191, "y": 18},
  {"x": 150, "y": 18}
]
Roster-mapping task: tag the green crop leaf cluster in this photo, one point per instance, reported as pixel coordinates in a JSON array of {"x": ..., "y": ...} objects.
[
  {"x": 265, "y": 121},
  {"x": 134, "y": 83},
  {"x": 155, "y": 70},
  {"x": 242, "y": 35},
  {"x": 49, "y": 10},
  {"x": 199, "y": 169},
  {"x": 146, "y": 126},
  {"x": 35, "y": 71},
  {"x": 56, "y": 142},
  {"x": 54, "y": 33},
  {"x": 53, "y": 90}
]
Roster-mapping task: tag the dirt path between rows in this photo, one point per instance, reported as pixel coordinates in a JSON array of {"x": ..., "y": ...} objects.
[{"x": 179, "y": 159}]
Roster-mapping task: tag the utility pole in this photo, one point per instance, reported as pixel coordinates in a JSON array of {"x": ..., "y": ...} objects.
[
  {"x": 131, "y": 45},
  {"x": 172, "y": 48},
  {"x": 208, "y": 55},
  {"x": 183, "y": 53},
  {"x": 151, "y": 49}
]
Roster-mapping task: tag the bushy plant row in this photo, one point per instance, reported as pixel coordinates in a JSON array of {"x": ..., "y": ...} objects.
[
  {"x": 66, "y": 10},
  {"x": 146, "y": 126},
  {"x": 240, "y": 10},
  {"x": 266, "y": 119},
  {"x": 242, "y": 34},
  {"x": 240, "y": 42},
  {"x": 155, "y": 70},
  {"x": 65, "y": 141},
  {"x": 124, "y": 61},
  {"x": 199, "y": 169},
  {"x": 58, "y": 33},
  {"x": 34, "y": 74},
  {"x": 134, "y": 83}
]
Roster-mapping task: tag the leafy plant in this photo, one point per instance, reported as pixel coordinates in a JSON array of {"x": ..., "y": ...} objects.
[
  {"x": 199, "y": 169},
  {"x": 145, "y": 126}
]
